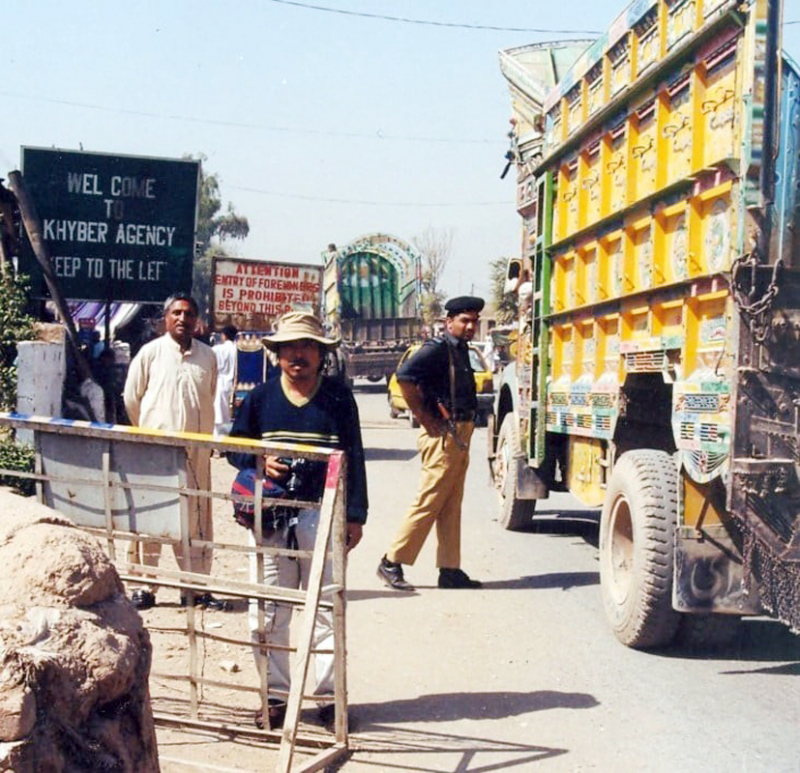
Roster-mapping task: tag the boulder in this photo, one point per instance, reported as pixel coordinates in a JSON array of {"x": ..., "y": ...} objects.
[{"x": 74, "y": 654}]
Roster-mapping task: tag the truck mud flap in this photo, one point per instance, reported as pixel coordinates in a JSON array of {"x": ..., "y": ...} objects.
[
  {"x": 530, "y": 484},
  {"x": 709, "y": 576}
]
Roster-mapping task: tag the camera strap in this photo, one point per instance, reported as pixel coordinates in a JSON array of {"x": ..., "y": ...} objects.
[{"x": 291, "y": 534}]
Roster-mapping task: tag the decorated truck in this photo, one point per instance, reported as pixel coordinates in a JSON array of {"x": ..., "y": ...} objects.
[
  {"x": 371, "y": 296},
  {"x": 657, "y": 374}
]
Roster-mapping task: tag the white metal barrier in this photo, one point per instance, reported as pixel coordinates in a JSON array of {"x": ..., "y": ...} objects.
[{"x": 127, "y": 483}]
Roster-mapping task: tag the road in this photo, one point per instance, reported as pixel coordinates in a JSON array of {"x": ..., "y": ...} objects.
[{"x": 524, "y": 674}]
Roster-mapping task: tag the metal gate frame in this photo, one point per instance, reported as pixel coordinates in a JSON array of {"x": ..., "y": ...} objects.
[{"x": 331, "y": 527}]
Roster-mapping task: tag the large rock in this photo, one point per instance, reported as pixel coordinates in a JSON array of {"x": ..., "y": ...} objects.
[{"x": 74, "y": 655}]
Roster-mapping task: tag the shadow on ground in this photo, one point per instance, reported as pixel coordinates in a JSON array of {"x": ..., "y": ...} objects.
[
  {"x": 567, "y": 523},
  {"x": 450, "y": 707},
  {"x": 563, "y": 580},
  {"x": 402, "y": 749},
  {"x": 389, "y": 454},
  {"x": 386, "y": 593},
  {"x": 754, "y": 640}
]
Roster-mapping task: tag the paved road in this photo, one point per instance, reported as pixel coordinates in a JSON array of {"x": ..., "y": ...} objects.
[{"x": 524, "y": 674}]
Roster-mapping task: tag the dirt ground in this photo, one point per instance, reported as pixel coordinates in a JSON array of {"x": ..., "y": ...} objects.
[{"x": 180, "y": 750}]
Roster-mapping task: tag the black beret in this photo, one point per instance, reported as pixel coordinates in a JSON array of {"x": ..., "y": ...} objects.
[{"x": 463, "y": 303}]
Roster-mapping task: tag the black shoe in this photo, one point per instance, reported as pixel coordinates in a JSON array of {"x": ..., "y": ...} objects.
[
  {"x": 206, "y": 601},
  {"x": 327, "y": 716},
  {"x": 277, "y": 714},
  {"x": 392, "y": 574},
  {"x": 456, "y": 578},
  {"x": 143, "y": 599}
]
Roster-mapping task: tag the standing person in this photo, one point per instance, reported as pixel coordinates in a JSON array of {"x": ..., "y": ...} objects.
[
  {"x": 439, "y": 387},
  {"x": 225, "y": 352},
  {"x": 304, "y": 407},
  {"x": 170, "y": 386}
]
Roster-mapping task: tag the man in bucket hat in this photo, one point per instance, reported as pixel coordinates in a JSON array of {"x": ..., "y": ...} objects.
[{"x": 301, "y": 406}]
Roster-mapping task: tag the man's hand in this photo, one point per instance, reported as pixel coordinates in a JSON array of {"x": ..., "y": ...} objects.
[
  {"x": 274, "y": 469},
  {"x": 433, "y": 426},
  {"x": 412, "y": 394},
  {"x": 353, "y": 535}
]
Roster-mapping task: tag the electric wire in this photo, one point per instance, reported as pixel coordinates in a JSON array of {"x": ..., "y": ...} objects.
[
  {"x": 379, "y": 134},
  {"x": 362, "y": 202},
  {"x": 457, "y": 25}
]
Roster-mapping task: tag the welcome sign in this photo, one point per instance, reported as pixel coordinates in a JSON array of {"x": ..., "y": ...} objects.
[{"x": 117, "y": 228}]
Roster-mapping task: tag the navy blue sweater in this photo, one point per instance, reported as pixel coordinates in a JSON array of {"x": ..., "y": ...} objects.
[{"x": 329, "y": 419}]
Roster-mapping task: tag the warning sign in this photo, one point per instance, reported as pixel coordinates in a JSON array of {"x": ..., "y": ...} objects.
[{"x": 252, "y": 294}]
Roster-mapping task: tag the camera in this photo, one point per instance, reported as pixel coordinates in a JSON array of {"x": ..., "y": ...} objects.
[{"x": 298, "y": 471}]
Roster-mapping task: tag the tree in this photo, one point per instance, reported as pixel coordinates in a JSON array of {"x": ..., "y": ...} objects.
[
  {"x": 15, "y": 326},
  {"x": 213, "y": 229},
  {"x": 506, "y": 306},
  {"x": 435, "y": 247}
]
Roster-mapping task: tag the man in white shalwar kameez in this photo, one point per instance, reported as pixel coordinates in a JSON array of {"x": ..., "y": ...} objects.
[
  {"x": 170, "y": 386},
  {"x": 225, "y": 352}
]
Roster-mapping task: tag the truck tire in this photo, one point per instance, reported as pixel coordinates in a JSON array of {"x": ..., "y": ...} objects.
[
  {"x": 514, "y": 513},
  {"x": 637, "y": 537}
]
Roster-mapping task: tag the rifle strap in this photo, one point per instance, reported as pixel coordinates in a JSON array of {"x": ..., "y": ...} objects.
[{"x": 451, "y": 370}]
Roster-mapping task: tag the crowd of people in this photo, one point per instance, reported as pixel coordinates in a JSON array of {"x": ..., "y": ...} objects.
[{"x": 179, "y": 383}]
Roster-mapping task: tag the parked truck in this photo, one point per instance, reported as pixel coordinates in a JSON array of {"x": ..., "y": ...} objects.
[
  {"x": 371, "y": 300},
  {"x": 657, "y": 373}
]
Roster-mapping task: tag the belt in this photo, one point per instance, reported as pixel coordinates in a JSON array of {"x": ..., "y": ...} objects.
[{"x": 464, "y": 415}]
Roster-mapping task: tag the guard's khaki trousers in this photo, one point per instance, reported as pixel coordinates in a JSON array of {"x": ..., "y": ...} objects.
[{"x": 441, "y": 489}]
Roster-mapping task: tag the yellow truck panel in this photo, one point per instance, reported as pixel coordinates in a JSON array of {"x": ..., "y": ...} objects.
[{"x": 661, "y": 229}]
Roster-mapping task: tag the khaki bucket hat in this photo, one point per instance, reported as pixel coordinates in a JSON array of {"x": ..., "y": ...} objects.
[{"x": 296, "y": 325}]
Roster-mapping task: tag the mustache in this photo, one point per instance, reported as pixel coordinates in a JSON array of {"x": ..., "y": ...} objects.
[{"x": 299, "y": 362}]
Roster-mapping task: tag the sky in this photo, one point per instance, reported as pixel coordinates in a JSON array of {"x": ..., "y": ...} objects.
[{"x": 321, "y": 126}]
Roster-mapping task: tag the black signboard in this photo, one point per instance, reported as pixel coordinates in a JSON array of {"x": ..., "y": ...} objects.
[{"x": 117, "y": 227}]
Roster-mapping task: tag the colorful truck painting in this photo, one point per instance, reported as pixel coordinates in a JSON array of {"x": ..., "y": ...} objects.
[
  {"x": 658, "y": 363},
  {"x": 371, "y": 301}
]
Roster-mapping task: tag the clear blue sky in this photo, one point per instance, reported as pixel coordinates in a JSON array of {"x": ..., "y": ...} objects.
[{"x": 321, "y": 126}]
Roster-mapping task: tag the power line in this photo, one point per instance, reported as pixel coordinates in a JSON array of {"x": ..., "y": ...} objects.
[
  {"x": 304, "y": 197},
  {"x": 379, "y": 134},
  {"x": 405, "y": 20}
]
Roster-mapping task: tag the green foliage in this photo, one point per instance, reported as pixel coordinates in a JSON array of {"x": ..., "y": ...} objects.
[
  {"x": 15, "y": 326},
  {"x": 213, "y": 229},
  {"x": 432, "y": 306},
  {"x": 17, "y": 456},
  {"x": 506, "y": 306}
]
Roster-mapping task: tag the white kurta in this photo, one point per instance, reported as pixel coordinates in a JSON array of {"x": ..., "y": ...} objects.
[
  {"x": 226, "y": 372},
  {"x": 173, "y": 390}
]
